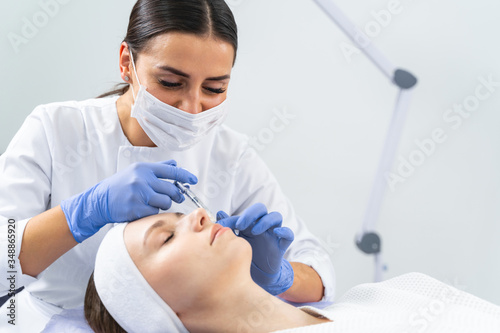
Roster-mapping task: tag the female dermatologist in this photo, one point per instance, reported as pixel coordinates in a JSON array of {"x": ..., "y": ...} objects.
[{"x": 74, "y": 168}]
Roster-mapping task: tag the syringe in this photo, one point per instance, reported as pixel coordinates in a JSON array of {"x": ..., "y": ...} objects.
[{"x": 187, "y": 191}]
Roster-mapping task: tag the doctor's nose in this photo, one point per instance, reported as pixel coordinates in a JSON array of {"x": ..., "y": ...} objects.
[{"x": 191, "y": 104}]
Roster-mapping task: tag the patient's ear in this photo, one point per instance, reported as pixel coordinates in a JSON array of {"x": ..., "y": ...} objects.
[{"x": 96, "y": 314}]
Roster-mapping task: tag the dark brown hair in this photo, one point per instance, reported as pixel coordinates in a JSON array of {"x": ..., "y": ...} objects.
[
  {"x": 98, "y": 317},
  {"x": 150, "y": 18}
]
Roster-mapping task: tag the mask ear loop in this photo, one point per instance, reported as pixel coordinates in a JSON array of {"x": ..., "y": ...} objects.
[{"x": 135, "y": 72}]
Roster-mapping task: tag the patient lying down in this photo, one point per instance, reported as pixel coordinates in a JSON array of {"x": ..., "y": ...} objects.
[
  {"x": 198, "y": 268},
  {"x": 176, "y": 273}
]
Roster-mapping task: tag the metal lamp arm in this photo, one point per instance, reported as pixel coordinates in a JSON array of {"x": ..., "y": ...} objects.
[{"x": 368, "y": 240}]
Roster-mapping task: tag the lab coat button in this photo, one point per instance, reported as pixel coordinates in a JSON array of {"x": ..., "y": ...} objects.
[{"x": 127, "y": 153}]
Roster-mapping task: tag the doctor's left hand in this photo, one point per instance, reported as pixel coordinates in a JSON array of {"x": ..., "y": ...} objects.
[
  {"x": 135, "y": 192},
  {"x": 269, "y": 241}
]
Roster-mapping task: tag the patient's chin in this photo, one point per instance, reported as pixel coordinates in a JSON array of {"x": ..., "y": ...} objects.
[{"x": 246, "y": 249}]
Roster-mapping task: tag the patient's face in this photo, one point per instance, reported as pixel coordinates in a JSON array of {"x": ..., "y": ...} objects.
[{"x": 185, "y": 257}]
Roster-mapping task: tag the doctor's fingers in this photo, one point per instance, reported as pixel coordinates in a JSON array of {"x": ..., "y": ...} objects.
[
  {"x": 267, "y": 222},
  {"x": 166, "y": 170},
  {"x": 161, "y": 201},
  {"x": 222, "y": 215},
  {"x": 229, "y": 222},
  {"x": 167, "y": 188},
  {"x": 170, "y": 162},
  {"x": 286, "y": 237},
  {"x": 250, "y": 216}
]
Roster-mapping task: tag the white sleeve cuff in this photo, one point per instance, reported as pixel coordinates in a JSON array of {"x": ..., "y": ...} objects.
[
  {"x": 11, "y": 237},
  {"x": 321, "y": 263}
]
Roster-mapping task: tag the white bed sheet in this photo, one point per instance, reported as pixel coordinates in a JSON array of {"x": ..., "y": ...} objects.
[{"x": 390, "y": 304}]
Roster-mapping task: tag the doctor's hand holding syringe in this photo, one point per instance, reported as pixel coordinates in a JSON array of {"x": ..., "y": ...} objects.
[
  {"x": 139, "y": 191},
  {"x": 135, "y": 192}
]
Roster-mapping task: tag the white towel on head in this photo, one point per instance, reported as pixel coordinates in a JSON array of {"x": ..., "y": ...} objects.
[{"x": 126, "y": 294}]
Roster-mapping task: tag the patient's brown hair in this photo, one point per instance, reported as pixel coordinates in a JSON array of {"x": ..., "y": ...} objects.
[{"x": 98, "y": 317}]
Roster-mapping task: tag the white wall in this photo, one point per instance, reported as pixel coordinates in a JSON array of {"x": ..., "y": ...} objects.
[{"x": 443, "y": 220}]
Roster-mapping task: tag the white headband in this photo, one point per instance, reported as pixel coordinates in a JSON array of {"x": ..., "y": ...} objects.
[{"x": 125, "y": 293}]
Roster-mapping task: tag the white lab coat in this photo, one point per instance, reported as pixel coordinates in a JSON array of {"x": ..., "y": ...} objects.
[{"x": 64, "y": 148}]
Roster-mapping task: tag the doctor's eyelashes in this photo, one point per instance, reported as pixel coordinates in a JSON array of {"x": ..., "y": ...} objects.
[
  {"x": 216, "y": 91},
  {"x": 169, "y": 84}
]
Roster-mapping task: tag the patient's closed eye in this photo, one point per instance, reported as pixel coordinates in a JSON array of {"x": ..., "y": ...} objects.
[{"x": 169, "y": 238}]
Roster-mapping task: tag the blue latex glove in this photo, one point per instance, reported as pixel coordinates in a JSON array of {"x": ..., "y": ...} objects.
[
  {"x": 131, "y": 194},
  {"x": 269, "y": 241}
]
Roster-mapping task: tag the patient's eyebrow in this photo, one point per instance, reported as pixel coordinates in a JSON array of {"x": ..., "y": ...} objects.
[
  {"x": 159, "y": 224},
  {"x": 156, "y": 225}
]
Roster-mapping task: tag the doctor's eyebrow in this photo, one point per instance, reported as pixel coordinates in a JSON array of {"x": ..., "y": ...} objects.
[{"x": 181, "y": 73}]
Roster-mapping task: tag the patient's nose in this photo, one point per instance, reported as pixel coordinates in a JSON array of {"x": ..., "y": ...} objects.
[{"x": 200, "y": 220}]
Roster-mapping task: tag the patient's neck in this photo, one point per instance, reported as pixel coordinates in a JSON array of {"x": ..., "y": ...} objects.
[{"x": 244, "y": 308}]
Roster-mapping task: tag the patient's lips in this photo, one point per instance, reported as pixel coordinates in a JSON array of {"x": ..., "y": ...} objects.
[
  {"x": 216, "y": 231},
  {"x": 213, "y": 232}
]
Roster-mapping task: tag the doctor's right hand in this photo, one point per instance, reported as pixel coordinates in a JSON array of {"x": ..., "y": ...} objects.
[{"x": 133, "y": 193}]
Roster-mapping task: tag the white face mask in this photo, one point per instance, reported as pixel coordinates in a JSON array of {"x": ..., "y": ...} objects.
[{"x": 171, "y": 128}]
